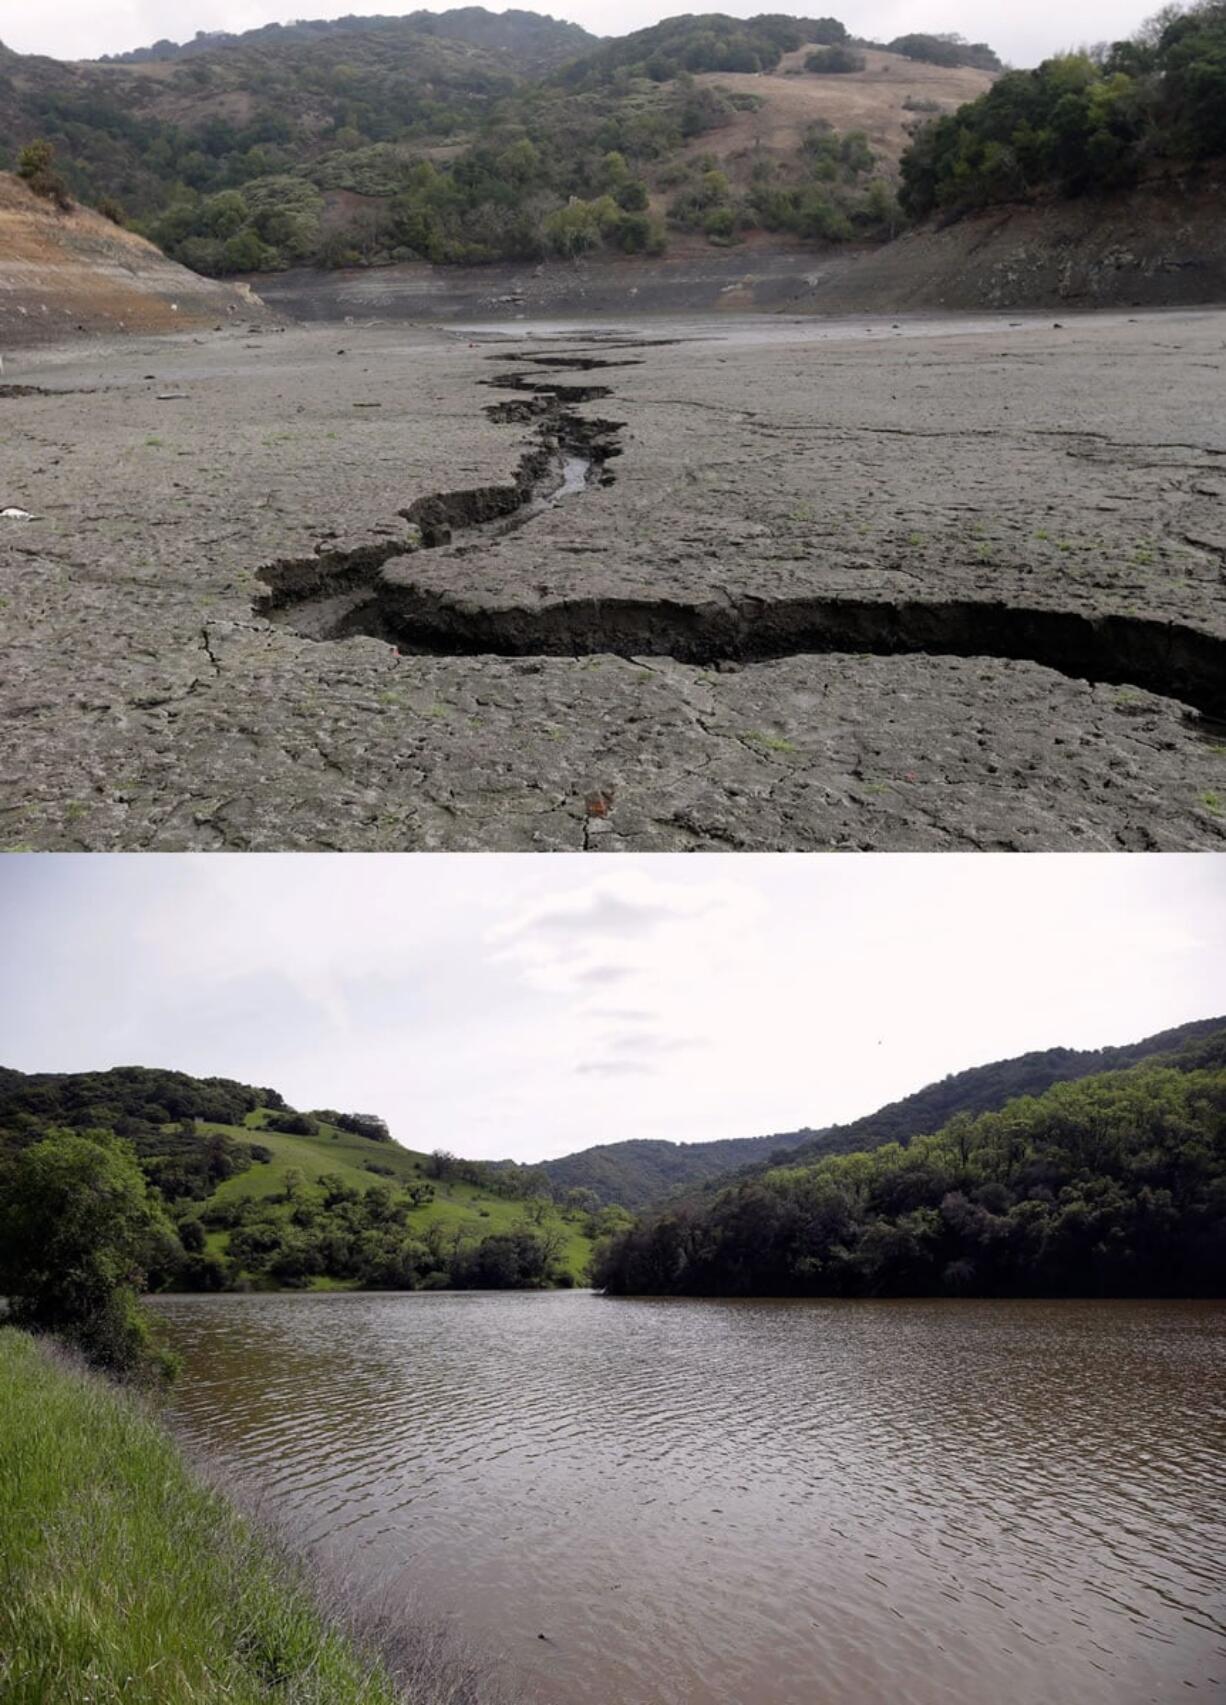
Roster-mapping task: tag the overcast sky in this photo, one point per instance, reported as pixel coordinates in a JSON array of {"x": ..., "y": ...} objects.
[
  {"x": 1021, "y": 34},
  {"x": 525, "y": 1007}
]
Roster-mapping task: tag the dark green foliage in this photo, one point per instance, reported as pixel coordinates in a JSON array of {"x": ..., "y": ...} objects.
[
  {"x": 983, "y": 1089},
  {"x": 361, "y": 1124},
  {"x": 365, "y": 1238},
  {"x": 517, "y": 1261},
  {"x": 36, "y": 165},
  {"x": 1079, "y": 124},
  {"x": 293, "y": 1124},
  {"x": 79, "y": 1236},
  {"x": 185, "y": 1164},
  {"x": 1112, "y": 1186},
  {"x": 126, "y": 1092},
  {"x": 531, "y": 41},
  {"x": 949, "y": 50},
  {"x": 637, "y": 1174},
  {"x": 640, "y": 1171},
  {"x": 155, "y": 1112},
  {"x": 835, "y": 61},
  {"x": 706, "y": 42}
]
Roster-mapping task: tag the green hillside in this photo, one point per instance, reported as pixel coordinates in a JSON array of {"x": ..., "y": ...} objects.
[
  {"x": 1082, "y": 123},
  {"x": 639, "y": 1173},
  {"x": 468, "y": 137},
  {"x": 643, "y": 1170},
  {"x": 457, "y": 1208},
  {"x": 1114, "y": 1185},
  {"x": 983, "y": 1089},
  {"x": 251, "y": 1192}
]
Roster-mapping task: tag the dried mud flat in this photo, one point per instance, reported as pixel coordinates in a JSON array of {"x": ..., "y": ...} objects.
[{"x": 711, "y": 583}]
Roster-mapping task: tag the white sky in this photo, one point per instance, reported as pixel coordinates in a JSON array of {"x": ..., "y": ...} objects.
[
  {"x": 1021, "y": 34},
  {"x": 528, "y": 1006}
]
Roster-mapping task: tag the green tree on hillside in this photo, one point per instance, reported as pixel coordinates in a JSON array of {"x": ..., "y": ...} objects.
[
  {"x": 79, "y": 1235},
  {"x": 1081, "y": 123},
  {"x": 36, "y": 164}
]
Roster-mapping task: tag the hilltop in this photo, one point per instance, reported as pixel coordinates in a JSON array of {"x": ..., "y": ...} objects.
[
  {"x": 471, "y": 137},
  {"x": 638, "y": 1174}
]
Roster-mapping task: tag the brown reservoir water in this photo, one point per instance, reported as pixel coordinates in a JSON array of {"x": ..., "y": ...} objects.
[{"x": 751, "y": 1503}]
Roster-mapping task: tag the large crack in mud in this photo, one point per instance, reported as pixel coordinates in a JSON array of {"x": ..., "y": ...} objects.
[{"x": 337, "y": 595}]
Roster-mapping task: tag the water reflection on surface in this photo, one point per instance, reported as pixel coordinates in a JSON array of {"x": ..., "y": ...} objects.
[{"x": 709, "y": 1503}]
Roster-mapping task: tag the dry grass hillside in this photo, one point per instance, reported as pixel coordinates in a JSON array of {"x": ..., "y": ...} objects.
[
  {"x": 872, "y": 100},
  {"x": 64, "y": 273}
]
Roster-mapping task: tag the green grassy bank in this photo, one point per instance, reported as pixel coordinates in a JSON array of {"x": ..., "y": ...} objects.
[
  {"x": 123, "y": 1578},
  {"x": 458, "y": 1208}
]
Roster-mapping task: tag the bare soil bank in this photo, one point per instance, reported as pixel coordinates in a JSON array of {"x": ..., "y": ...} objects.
[
  {"x": 69, "y": 273},
  {"x": 738, "y": 582},
  {"x": 1161, "y": 246}
]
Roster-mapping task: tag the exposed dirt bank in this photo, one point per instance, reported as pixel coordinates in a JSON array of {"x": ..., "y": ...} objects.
[
  {"x": 726, "y": 582},
  {"x": 67, "y": 273},
  {"x": 1163, "y": 246}
]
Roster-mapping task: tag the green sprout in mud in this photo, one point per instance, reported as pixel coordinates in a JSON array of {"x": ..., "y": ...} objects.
[
  {"x": 153, "y": 443},
  {"x": 914, "y": 539},
  {"x": 1143, "y": 557},
  {"x": 772, "y": 742},
  {"x": 1212, "y": 802},
  {"x": 1042, "y": 535}
]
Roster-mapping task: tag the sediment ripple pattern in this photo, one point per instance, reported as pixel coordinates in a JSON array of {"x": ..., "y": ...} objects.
[{"x": 708, "y": 1503}]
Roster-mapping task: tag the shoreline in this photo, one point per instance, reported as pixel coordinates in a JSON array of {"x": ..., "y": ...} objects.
[{"x": 131, "y": 1568}]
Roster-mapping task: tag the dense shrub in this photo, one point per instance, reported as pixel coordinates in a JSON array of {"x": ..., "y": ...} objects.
[
  {"x": 948, "y": 50},
  {"x": 835, "y": 61},
  {"x": 36, "y": 165},
  {"x": 80, "y": 1234},
  {"x": 1080, "y": 124},
  {"x": 1115, "y": 1185}
]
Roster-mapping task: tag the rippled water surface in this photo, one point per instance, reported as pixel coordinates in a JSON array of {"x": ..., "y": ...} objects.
[{"x": 752, "y": 1503}]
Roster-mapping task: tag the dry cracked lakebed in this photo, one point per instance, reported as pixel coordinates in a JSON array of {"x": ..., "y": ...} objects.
[{"x": 722, "y": 583}]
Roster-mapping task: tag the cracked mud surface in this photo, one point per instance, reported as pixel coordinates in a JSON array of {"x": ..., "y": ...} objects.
[{"x": 718, "y": 584}]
